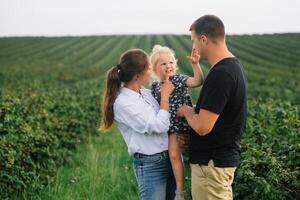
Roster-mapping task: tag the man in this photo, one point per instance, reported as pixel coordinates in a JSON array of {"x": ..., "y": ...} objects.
[{"x": 219, "y": 118}]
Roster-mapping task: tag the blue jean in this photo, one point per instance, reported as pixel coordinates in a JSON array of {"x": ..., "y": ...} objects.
[{"x": 154, "y": 176}]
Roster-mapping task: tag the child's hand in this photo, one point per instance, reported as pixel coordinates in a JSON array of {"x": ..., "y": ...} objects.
[{"x": 195, "y": 57}]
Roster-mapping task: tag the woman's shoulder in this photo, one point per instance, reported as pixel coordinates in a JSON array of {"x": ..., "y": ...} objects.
[
  {"x": 119, "y": 101},
  {"x": 122, "y": 100},
  {"x": 124, "y": 107},
  {"x": 146, "y": 91},
  {"x": 124, "y": 103}
]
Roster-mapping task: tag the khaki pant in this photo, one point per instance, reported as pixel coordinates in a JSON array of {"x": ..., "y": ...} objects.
[{"x": 209, "y": 182}]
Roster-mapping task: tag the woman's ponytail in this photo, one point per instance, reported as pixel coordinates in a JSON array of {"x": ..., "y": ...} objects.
[{"x": 113, "y": 85}]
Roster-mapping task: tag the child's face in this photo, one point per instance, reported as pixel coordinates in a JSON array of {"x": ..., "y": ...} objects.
[{"x": 166, "y": 64}]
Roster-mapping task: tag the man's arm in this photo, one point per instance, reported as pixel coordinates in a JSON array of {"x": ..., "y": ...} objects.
[{"x": 202, "y": 123}]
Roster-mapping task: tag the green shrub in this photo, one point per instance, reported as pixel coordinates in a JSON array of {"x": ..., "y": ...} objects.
[
  {"x": 39, "y": 132},
  {"x": 270, "y": 164}
]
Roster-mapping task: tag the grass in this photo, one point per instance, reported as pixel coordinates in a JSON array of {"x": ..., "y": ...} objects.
[{"x": 101, "y": 169}]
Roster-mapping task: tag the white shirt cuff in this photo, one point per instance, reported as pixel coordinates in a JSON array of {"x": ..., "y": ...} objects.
[{"x": 164, "y": 113}]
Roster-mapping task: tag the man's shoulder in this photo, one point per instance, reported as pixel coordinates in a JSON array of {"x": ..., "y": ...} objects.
[
  {"x": 230, "y": 66},
  {"x": 220, "y": 73}
]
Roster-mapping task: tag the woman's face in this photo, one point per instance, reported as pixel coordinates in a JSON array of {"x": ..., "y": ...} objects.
[
  {"x": 166, "y": 64},
  {"x": 145, "y": 77}
]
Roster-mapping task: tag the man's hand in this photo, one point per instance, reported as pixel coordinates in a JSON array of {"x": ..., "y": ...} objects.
[
  {"x": 183, "y": 140},
  {"x": 183, "y": 110}
]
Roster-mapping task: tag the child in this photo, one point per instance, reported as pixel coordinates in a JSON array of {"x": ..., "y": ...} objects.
[{"x": 164, "y": 64}]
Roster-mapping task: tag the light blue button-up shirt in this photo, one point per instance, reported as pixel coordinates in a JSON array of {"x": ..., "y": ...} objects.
[{"x": 141, "y": 122}]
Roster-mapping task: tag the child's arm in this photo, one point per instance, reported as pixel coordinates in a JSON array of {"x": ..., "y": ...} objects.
[{"x": 198, "y": 78}]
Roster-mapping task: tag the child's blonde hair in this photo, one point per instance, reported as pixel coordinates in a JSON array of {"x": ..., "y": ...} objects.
[{"x": 157, "y": 51}]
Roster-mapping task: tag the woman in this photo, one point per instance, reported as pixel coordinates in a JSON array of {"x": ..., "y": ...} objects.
[{"x": 142, "y": 122}]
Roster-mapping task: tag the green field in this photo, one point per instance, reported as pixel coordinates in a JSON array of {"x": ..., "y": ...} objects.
[{"x": 50, "y": 91}]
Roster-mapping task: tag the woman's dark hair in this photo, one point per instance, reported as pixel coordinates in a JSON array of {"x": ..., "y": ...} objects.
[
  {"x": 132, "y": 62},
  {"x": 209, "y": 25}
]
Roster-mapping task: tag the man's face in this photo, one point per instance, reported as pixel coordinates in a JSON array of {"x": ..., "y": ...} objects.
[{"x": 197, "y": 43}]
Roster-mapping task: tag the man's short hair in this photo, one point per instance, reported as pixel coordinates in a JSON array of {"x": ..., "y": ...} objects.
[{"x": 209, "y": 25}]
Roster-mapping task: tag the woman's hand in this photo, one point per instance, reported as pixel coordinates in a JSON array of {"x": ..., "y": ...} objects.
[
  {"x": 165, "y": 92},
  {"x": 166, "y": 89}
]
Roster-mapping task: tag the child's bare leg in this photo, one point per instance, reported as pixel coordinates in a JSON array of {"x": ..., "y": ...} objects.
[{"x": 175, "y": 152}]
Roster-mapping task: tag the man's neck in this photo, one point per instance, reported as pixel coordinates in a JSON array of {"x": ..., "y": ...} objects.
[{"x": 218, "y": 53}]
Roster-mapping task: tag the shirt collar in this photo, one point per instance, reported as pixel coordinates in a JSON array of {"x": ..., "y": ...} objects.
[{"x": 130, "y": 92}]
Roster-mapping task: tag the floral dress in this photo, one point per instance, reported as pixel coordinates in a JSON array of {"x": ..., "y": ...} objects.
[{"x": 178, "y": 98}]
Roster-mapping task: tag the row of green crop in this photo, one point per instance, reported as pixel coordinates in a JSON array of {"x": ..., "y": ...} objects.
[
  {"x": 264, "y": 81},
  {"x": 259, "y": 67},
  {"x": 72, "y": 49},
  {"x": 39, "y": 131},
  {"x": 269, "y": 49},
  {"x": 43, "y": 46},
  {"x": 43, "y": 119},
  {"x": 68, "y": 49},
  {"x": 11, "y": 45},
  {"x": 260, "y": 56},
  {"x": 50, "y": 100},
  {"x": 270, "y": 163},
  {"x": 92, "y": 53},
  {"x": 87, "y": 51}
]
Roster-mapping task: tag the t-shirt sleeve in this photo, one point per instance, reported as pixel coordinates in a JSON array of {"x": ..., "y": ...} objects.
[{"x": 217, "y": 92}]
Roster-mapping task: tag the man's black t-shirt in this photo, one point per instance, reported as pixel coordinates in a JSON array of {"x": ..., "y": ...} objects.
[{"x": 223, "y": 93}]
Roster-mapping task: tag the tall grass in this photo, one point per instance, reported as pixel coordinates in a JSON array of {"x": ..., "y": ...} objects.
[{"x": 101, "y": 169}]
